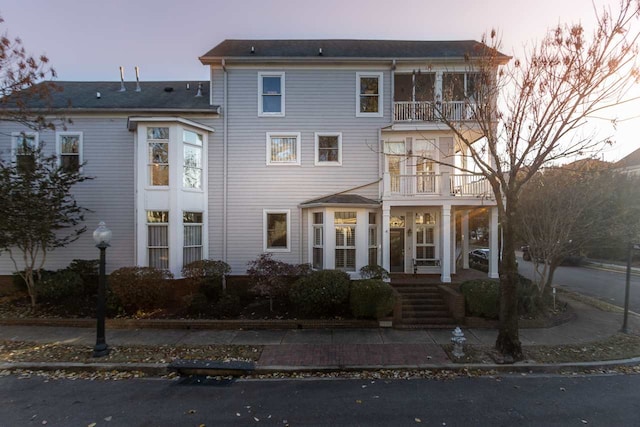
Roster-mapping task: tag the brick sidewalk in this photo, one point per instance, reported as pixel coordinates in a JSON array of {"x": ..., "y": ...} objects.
[{"x": 342, "y": 355}]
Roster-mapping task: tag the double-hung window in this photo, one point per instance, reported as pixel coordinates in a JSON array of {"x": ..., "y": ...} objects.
[
  {"x": 158, "y": 239},
  {"x": 283, "y": 148},
  {"x": 69, "y": 146},
  {"x": 369, "y": 95},
  {"x": 318, "y": 241},
  {"x": 271, "y": 94},
  {"x": 192, "y": 246},
  {"x": 345, "y": 228},
  {"x": 23, "y": 145},
  {"x": 158, "y": 144},
  {"x": 192, "y": 174},
  {"x": 328, "y": 149},
  {"x": 277, "y": 230},
  {"x": 373, "y": 239}
]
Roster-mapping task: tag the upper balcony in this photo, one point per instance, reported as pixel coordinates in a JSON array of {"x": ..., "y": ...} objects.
[
  {"x": 435, "y": 96},
  {"x": 430, "y": 185},
  {"x": 429, "y": 111}
]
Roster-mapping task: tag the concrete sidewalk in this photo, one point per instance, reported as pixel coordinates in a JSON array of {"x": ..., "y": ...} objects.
[{"x": 339, "y": 348}]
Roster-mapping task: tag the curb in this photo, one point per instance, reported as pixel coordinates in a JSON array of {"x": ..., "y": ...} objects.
[{"x": 159, "y": 369}]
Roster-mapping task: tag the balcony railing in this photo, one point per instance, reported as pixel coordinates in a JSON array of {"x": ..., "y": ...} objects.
[
  {"x": 445, "y": 184},
  {"x": 428, "y": 111}
]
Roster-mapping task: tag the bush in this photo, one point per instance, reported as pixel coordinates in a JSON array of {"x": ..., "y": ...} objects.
[
  {"x": 60, "y": 286},
  {"x": 206, "y": 268},
  {"x": 322, "y": 293},
  {"x": 373, "y": 271},
  {"x": 530, "y": 302},
  {"x": 197, "y": 305},
  {"x": 482, "y": 298},
  {"x": 140, "y": 288},
  {"x": 371, "y": 299},
  {"x": 228, "y": 306},
  {"x": 88, "y": 271},
  {"x": 273, "y": 278},
  {"x": 19, "y": 282}
]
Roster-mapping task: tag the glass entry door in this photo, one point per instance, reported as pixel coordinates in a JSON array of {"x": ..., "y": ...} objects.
[{"x": 396, "y": 252}]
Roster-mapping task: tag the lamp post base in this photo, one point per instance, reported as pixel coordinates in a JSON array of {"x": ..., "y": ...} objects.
[{"x": 100, "y": 350}]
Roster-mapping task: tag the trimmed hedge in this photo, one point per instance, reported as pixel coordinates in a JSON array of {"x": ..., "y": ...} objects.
[
  {"x": 322, "y": 293},
  {"x": 140, "y": 288},
  {"x": 482, "y": 298},
  {"x": 60, "y": 286},
  {"x": 371, "y": 299}
]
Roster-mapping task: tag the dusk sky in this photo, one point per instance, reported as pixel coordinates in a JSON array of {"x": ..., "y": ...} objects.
[{"x": 90, "y": 39}]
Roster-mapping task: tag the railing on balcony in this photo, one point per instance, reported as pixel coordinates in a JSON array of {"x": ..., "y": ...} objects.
[
  {"x": 471, "y": 185},
  {"x": 445, "y": 184},
  {"x": 428, "y": 111}
]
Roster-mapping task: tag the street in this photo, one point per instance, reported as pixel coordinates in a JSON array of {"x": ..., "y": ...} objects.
[
  {"x": 608, "y": 286},
  {"x": 603, "y": 400}
]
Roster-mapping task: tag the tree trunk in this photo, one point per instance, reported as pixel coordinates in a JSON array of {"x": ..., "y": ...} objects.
[
  {"x": 31, "y": 286},
  {"x": 508, "y": 341}
]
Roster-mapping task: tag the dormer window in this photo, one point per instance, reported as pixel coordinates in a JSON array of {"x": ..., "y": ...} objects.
[{"x": 271, "y": 94}]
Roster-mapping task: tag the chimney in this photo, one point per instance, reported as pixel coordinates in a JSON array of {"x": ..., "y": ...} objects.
[
  {"x": 199, "y": 94},
  {"x": 138, "y": 79},
  {"x": 122, "y": 88}
]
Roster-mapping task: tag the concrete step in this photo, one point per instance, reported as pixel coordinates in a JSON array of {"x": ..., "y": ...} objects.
[{"x": 428, "y": 321}]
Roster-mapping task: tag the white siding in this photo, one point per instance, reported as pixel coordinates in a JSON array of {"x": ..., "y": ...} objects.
[
  {"x": 108, "y": 151},
  {"x": 316, "y": 101}
]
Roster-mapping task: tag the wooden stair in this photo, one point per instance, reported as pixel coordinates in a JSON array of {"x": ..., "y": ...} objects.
[{"x": 423, "y": 307}]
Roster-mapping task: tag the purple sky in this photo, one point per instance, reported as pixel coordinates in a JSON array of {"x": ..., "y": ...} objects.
[{"x": 90, "y": 39}]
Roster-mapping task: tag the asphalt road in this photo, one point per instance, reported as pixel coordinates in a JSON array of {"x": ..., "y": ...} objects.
[
  {"x": 513, "y": 400},
  {"x": 608, "y": 286}
]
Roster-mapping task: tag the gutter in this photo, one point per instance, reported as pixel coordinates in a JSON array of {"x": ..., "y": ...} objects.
[{"x": 225, "y": 172}]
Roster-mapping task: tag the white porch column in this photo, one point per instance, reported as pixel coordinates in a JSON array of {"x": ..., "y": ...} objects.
[
  {"x": 493, "y": 244},
  {"x": 446, "y": 245},
  {"x": 465, "y": 239},
  {"x": 454, "y": 241},
  {"x": 386, "y": 238}
]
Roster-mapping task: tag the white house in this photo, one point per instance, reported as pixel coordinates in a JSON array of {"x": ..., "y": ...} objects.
[{"x": 328, "y": 152}]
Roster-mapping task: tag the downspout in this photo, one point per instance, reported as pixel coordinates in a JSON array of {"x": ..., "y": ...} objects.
[
  {"x": 300, "y": 240},
  {"x": 225, "y": 144}
]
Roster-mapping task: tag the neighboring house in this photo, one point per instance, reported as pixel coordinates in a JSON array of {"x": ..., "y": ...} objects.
[
  {"x": 630, "y": 164},
  {"x": 320, "y": 151}
]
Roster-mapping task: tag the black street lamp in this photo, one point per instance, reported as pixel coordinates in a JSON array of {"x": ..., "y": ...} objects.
[{"x": 102, "y": 237}]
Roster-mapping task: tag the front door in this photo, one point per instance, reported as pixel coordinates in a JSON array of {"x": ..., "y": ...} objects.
[{"x": 397, "y": 250}]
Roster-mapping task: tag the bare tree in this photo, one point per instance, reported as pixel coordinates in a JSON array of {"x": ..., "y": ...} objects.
[
  {"x": 528, "y": 113},
  {"x": 25, "y": 88},
  {"x": 563, "y": 209}
]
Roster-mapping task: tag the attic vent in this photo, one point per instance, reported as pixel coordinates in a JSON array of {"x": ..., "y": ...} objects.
[
  {"x": 253, "y": 50},
  {"x": 168, "y": 89},
  {"x": 199, "y": 94},
  {"x": 320, "y": 52},
  {"x": 98, "y": 95}
]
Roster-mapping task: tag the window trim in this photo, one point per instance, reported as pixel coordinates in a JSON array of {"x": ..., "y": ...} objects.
[
  {"x": 185, "y": 167},
  {"x": 317, "y": 160},
  {"x": 14, "y": 142},
  {"x": 149, "y": 163},
  {"x": 193, "y": 224},
  {"x": 168, "y": 246},
  {"x": 379, "y": 76},
  {"x": 59, "y": 152},
  {"x": 271, "y": 135},
  {"x": 265, "y": 229},
  {"x": 261, "y": 112}
]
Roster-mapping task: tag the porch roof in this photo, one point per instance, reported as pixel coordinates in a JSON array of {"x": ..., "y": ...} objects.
[{"x": 353, "y": 200}]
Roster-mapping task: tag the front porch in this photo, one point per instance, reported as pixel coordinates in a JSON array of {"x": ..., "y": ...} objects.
[{"x": 431, "y": 244}]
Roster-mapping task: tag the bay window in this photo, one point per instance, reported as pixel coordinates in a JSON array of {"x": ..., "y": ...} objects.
[
  {"x": 158, "y": 239},
  {"x": 192, "y": 246},
  {"x": 345, "y": 229},
  {"x": 192, "y": 174},
  {"x": 158, "y": 144},
  {"x": 318, "y": 241}
]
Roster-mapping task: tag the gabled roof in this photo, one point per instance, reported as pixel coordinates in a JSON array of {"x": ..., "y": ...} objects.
[
  {"x": 630, "y": 160},
  {"x": 342, "y": 200},
  {"x": 164, "y": 96},
  {"x": 345, "y": 49}
]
